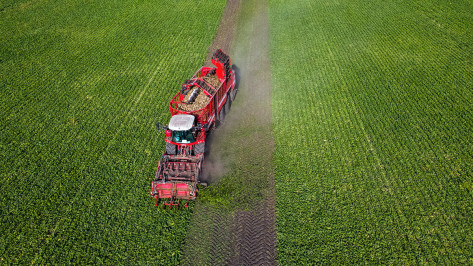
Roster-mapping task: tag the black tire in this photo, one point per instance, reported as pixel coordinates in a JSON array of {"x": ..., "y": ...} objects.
[
  {"x": 199, "y": 148},
  {"x": 233, "y": 93},
  {"x": 236, "y": 72},
  {"x": 224, "y": 111},
  {"x": 228, "y": 105},
  {"x": 222, "y": 115},
  {"x": 171, "y": 149}
]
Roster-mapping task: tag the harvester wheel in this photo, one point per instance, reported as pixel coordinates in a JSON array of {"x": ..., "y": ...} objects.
[
  {"x": 228, "y": 104},
  {"x": 171, "y": 149},
  {"x": 236, "y": 74},
  {"x": 232, "y": 94},
  {"x": 199, "y": 148},
  {"x": 222, "y": 114}
]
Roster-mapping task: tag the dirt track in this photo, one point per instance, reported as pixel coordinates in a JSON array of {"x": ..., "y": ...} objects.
[
  {"x": 224, "y": 37},
  {"x": 241, "y": 151}
]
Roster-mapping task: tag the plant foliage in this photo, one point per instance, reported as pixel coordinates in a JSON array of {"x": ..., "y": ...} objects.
[
  {"x": 82, "y": 84},
  {"x": 372, "y": 111}
]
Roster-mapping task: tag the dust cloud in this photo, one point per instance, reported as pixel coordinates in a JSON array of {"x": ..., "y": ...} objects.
[
  {"x": 242, "y": 148},
  {"x": 251, "y": 109}
]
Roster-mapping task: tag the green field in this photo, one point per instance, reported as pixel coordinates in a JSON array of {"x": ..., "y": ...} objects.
[
  {"x": 81, "y": 85},
  {"x": 372, "y": 111},
  {"x": 372, "y": 120}
]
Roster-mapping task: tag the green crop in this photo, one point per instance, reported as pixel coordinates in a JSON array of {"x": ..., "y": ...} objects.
[
  {"x": 81, "y": 85},
  {"x": 372, "y": 110}
]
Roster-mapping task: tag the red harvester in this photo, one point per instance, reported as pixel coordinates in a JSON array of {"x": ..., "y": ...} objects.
[{"x": 202, "y": 101}]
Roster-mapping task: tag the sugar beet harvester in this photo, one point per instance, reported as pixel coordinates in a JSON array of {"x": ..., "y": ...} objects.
[{"x": 202, "y": 101}]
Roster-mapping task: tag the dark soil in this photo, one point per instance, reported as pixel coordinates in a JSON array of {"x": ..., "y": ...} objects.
[
  {"x": 224, "y": 37},
  {"x": 234, "y": 218}
]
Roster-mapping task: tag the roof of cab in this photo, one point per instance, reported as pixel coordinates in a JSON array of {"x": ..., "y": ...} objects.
[{"x": 181, "y": 122}]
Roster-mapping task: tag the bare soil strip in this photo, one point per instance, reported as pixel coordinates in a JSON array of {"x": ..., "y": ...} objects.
[
  {"x": 241, "y": 151},
  {"x": 224, "y": 37}
]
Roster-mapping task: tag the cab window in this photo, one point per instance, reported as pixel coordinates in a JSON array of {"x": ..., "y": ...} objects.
[{"x": 183, "y": 136}]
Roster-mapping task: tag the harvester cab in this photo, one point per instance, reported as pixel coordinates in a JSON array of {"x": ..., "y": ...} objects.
[{"x": 182, "y": 127}]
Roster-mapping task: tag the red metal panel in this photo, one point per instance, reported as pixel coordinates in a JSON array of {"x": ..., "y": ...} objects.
[
  {"x": 182, "y": 191},
  {"x": 164, "y": 190}
]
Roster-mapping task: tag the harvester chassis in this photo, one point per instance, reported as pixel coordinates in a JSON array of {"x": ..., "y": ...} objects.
[{"x": 196, "y": 110}]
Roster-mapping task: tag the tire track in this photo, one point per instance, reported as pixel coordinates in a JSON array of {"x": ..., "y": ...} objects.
[
  {"x": 256, "y": 234},
  {"x": 244, "y": 145}
]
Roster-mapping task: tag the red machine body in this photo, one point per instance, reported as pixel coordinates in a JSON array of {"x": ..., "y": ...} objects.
[{"x": 202, "y": 102}]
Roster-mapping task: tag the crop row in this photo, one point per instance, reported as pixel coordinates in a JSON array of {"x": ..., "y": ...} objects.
[
  {"x": 82, "y": 86},
  {"x": 372, "y": 121}
]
